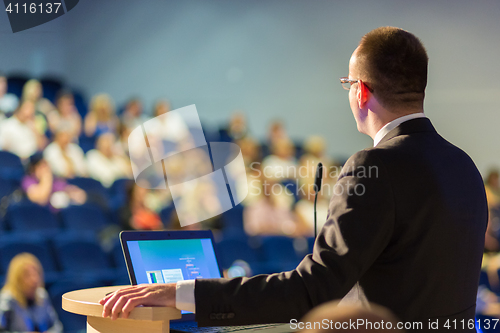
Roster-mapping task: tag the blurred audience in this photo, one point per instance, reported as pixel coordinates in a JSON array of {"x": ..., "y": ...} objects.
[
  {"x": 271, "y": 214},
  {"x": 66, "y": 159},
  {"x": 135, "y": 214},
  {"x": 32, "y": 91},
  {"x": 276, "y": 132},
  {"x": 492, "y": 188},
  {"x": 41, "y": 187},
  {"x": 169, "y": 126},
  {"x": 8, "y": 102},
  {"x": 19, "y": 135},
  {"x": 101, "y": 117},
  {"x": 65, "y": 115},
  {"x": 281, "y": 164},
  {"x": 132, "y": 116},
  {"x": 106, "y": 163},
  {"x": 237, "y": 128},
  {"x": 24, "y": 303}
]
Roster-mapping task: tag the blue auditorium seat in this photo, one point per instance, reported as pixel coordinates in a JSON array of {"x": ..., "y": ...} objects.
[
  {"x": 80, "y": 255},
  {"x": 6, "y": 187},
  {"x": 11, "y": 167},
  {"x": 231, "y": 249},
  {"x": 50, "y": 88},
  {"x": 232, "y": 222},
  {"x": 15, "y": 84},
  {"x": 279, "y": 253},
  {"x": 80, "y": 103},
  {"x": 26, "y": 216},
  {"x": 96, "y": 192},
  {"x": 15, "y": 243},
  {"x": 84, "y": 217}
]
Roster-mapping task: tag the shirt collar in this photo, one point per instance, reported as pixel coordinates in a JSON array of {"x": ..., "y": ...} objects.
[{"x": 393, "y": 124}]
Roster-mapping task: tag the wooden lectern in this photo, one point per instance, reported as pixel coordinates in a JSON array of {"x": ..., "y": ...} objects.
[{"x": 141, "y": 319}]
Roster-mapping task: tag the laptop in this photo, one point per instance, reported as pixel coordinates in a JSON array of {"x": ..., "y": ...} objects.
[{"x": 171, "y": 256}]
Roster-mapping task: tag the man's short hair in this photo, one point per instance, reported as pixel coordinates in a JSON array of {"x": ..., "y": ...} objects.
[{"x": 393, "y": 62}]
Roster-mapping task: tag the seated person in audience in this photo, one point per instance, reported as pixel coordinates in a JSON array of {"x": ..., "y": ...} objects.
[
  {"x": 105, "y": 163},
  {"x": 132, "y": 116},
  {"x": 101, "y": 117},
  {"x": 172, "y": 128},
  {"x": 136, "y": 215},
  {"x": 32, "y": 91},
  {"x": 8, "y": 102},
  {"x": 66, "y": 159},
  {"x": 18, "y": 134},
  {"x": 66, "y": 115},
  {"x": 250, "y": 151},
  {"x": 43, "y": 188},
  {"x": 237, "y": 128},
  {"x": 24, "y": 303},
  {"x": 333, "y": 312},
  {"x": 492, "y": 188},
  {"x": 271, "y": 214},
  {"x": 281, "y": 164},
  {"x": 276, "y": 132}
]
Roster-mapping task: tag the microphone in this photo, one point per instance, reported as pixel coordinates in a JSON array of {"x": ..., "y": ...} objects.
[{"x": 317, "y": 188}]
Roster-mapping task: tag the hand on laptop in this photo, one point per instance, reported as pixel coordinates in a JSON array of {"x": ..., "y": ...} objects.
[{"x": 125, "y": 300}]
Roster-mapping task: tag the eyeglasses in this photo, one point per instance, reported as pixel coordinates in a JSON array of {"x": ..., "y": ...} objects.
[{"x": 347, "y": 83}]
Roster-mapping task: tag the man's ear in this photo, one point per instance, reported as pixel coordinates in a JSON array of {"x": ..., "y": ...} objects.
[{"x": 363, "y": 94}]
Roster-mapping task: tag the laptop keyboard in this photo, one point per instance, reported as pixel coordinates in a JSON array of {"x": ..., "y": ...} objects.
[{"x": 218, "y": 329}]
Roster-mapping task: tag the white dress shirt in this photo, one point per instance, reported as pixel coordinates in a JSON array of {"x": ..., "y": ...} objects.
[
  {"x": 184, "y": 297},
  {"x": 393, "y": 124}
]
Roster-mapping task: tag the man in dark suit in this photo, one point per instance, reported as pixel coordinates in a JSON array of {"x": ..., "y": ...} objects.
[{"x": 406, "y": 222}]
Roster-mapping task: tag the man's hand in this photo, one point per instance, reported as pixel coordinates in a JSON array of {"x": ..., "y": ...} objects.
[{"x": 125, "y": 300}]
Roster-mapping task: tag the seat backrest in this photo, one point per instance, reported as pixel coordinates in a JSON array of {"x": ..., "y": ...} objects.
[
  {"x": 12, "y": 245},
  {"x": 80, "y": 255},
  {"x": 28, "y": 216},
  {"x": 231, "y": 249},
  {"x": 10, "y": 166},
  {"x": 84, "y": 217}
]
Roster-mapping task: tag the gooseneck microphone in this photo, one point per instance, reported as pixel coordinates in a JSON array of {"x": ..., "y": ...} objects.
[{"x": 317, "y": 188}]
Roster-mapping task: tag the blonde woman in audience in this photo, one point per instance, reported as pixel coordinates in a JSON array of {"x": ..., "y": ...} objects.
[
  {"x": 101, "y": 117},
  {"x": 65, "y": 115},
  {"x": 66, "y": 159},
  {"x": 18, "y": 134},
  {"x": 24, "y": 303},
  {"x": 105, "y": 163},
  {"x": 32, "y": 91}
]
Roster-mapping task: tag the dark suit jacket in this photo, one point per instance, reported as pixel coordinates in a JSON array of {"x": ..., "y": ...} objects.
[{"x": 413, "y": 214}]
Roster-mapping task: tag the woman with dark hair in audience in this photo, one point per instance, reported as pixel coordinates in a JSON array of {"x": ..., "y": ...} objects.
[
  {"x": 24, "y": 302},
  {"x": 135, "y": 214},
  {"x": 43, "y": 188}
]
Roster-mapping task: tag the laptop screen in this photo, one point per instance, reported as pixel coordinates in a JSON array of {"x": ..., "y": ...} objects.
[{"x": 172, "y": 260}]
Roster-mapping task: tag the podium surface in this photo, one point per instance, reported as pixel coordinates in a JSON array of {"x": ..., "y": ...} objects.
[{"x": 142, "y": 319}]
